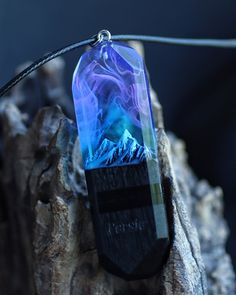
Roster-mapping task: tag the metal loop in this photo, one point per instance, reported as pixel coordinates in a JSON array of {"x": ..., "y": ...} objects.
[{"x": 103, "y": 35}]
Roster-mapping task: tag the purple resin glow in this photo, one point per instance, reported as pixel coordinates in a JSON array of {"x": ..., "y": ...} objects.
[{"x": 112, "y": 106}]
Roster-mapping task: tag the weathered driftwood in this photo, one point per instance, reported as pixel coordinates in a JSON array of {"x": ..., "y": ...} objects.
[{"x": 47, "y": 243}]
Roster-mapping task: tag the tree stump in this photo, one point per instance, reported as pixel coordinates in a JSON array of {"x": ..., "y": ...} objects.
[{"x": 47, "y": 242}]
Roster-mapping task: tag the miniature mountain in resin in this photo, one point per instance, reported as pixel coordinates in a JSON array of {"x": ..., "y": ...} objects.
[{"x": 126, "y": 151}]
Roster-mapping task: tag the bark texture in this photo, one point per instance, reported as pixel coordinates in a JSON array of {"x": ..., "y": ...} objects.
[{"x": 47, "y": 242}]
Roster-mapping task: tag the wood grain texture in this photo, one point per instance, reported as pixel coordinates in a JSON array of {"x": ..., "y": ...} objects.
[{"x": 47, "y": 242}]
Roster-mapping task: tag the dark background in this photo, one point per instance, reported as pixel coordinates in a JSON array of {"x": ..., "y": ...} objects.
[{"x": 196, "y": 86}]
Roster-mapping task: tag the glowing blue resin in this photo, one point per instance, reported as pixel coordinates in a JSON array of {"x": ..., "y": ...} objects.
[{"x": 112, "y": 106}]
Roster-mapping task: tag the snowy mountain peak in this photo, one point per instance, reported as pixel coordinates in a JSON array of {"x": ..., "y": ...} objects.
[
  {"x": 126, "y": 151},
  {"x": 126, "y": 135}
]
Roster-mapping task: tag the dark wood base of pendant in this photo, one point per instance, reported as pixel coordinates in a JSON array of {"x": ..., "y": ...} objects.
[{"x": 129, "y": 218}]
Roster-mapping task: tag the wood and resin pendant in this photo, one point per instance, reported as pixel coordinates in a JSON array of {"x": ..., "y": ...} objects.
[{"x": 120, "y": 158}]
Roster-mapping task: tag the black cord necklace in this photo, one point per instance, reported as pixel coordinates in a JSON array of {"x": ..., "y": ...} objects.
[{"x": 220, "y": 43}]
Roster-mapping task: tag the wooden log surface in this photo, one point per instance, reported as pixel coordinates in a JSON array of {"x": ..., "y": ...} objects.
[{"x": 47, "y": 242}]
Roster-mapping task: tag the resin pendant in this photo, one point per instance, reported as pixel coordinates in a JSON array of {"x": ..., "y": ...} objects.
[{"x": 119, "y": 152}]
